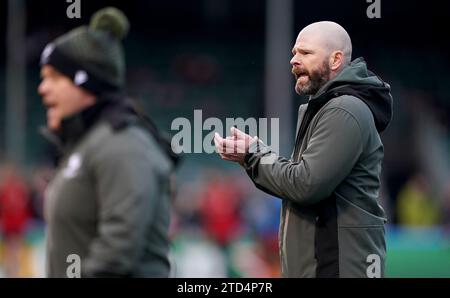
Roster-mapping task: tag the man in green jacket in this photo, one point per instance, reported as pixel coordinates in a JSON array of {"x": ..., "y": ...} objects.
[
  {"x": 107, "y": 208},
  {"x": 331, "y": 222}
]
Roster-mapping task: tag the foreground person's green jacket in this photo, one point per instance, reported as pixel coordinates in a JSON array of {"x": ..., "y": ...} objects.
[{"x": 108, "y": 206}]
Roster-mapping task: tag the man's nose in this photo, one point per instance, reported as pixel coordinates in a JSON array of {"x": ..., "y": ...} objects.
[
  {"x": 295, "y": 61},
  {"x": 41, "y": 88}
]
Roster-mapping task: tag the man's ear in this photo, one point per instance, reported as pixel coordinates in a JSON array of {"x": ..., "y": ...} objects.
[{"x": 336, "y": 60}]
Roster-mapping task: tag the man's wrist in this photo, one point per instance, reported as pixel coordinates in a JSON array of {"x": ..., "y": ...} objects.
[{"x": 252, "y": 149}]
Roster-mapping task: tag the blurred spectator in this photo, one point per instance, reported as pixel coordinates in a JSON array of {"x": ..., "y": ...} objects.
[
  {"x": 14, "y": 216},
  {"x": 415, "y": 204},
  {"x": 263, "y": 217},
  {"x": 220, "y": 210}
]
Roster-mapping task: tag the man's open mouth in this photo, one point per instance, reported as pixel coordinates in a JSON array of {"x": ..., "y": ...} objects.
[
  {"x": 300, "y": 74},
  {"x": 302, "y": 77}
]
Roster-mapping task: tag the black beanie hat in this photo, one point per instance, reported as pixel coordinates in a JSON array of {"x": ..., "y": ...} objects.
[{"x": 92, "y": 56}]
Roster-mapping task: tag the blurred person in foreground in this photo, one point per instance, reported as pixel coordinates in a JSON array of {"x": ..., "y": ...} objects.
[
  {"x": 109, "y": 202},
  {"x": 331, "y": 222}
]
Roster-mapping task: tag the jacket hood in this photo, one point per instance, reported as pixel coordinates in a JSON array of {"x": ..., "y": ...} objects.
[{"x": 356, "y": 80}]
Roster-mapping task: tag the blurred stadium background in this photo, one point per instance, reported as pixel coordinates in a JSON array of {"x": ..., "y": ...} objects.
[{"x": 230, "y": 58}]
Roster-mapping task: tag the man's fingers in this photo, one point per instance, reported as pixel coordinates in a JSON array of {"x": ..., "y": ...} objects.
[
  {"x": 229, "y": 146},
  {"x": 219, "y": 142},
  {"x": 217, "y": 137},
  {"x": 225, "y": 157},
  {"x": 236, "y": 146},
  {"x": 229, "y": 149},
  {"x": 238, "y": 134}
]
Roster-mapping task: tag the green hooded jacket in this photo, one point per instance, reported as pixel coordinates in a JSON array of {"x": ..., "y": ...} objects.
[
  {"x": 108, "y": 206},
  {"x": 331, "y": 222}
]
